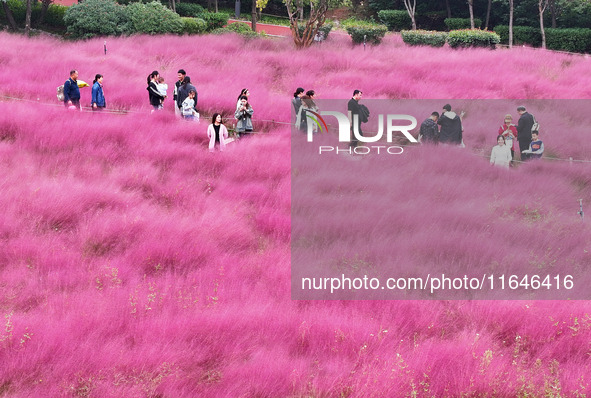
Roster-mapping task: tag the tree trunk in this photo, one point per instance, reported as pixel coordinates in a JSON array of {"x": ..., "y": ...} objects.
[
  {"x": 488, "y": 14},
  {"x": 471, "y": 8},
  {"x": 28, "y": 19},
  {"x": 216, "y": 5},
  {"x": 316, "y": 20},
  {"x": 254, "y": 15},
  {"x": 410, "y": 6},
  {"x": 9, "y": 16},
  {"x": 510, "y": 23},
  {"x": 448, "y": 8},
  {"x": 542, "y": 7},
  {"x": 300, "y": 9},
  {"x": 44, "y": 7},
  {"x": 553, "y": 12}
]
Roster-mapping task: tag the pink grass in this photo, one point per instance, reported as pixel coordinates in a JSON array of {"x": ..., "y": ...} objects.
[{"x": 135, "y": 263}]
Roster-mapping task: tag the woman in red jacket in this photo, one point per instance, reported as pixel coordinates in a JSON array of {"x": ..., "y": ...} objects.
[{"x": 509, "y": 131}]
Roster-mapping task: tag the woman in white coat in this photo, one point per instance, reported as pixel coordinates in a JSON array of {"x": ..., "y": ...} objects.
[
  {"x": 501, "y": 153},
  {"x": 217, "y": 132}
]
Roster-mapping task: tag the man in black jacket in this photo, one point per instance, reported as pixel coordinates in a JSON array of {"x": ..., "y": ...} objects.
[
  {"x": 451, "y": 126},
  {"x": 526, "y": 122},
  {"x": 181, "y": 77},
  {"x": 183, "y": 92},
  {"x": 352, "y": 110},
  {"x": 71, "y": 90}
]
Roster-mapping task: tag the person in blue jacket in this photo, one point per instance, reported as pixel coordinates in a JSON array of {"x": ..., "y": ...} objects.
[
  {"x": 71, "y": 90},
  {"x": 98, "y": 96}
]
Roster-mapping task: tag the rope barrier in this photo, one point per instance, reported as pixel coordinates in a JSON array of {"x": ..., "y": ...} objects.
[{"x": 125, "y": 112}]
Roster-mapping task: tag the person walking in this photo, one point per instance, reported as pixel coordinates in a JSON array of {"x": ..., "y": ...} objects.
[
  {"x": 98, "y": 102},
  {"x": 217, "y": 132},
  {"x": 71, "y": 91}
]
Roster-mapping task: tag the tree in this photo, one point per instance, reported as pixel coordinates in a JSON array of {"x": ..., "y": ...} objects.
[
  {"x": 305, "y": 38},
  {"x": 488, "y": 14},
  {"x": 411, "y": 6},
  {"x": 8, "y": 14},
  {"x": 471, "y": 8},
  {"x": 254, "y": 15},
  {"x": 28, "y": 18},
  {"x": 511, "y": 23},
  {"x": 542, "y": 4},
  {"x": 44, "y": 7}
]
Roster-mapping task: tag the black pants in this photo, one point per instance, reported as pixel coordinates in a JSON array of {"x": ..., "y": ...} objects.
[
  {"x": 354, "y": 141},
  {"x": 522, "y": 147}
]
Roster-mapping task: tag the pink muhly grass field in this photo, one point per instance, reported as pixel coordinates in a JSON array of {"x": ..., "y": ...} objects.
[{"x": 134, "y": 263}]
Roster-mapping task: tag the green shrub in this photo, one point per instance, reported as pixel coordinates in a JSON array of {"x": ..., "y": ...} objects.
[
  {"x": 55, "y": 16},
  {"x": 214, "y": 20},
  {"x": 373, "y": 33},
  {"x": 424, "y": 37},
  {"x": 94, "y": 18},
  {"x": 472, "y": 38},
  {"x": 395, "y": 19},
  {"x": 152, "y": 18},
  {"x": 237, "y": 27},
  {"x": 576, "y": 40},
  {"x": 188, "y": 9},
  {"x": 193, "y": 26},
  {"x": 461, "y": 23},
  {"x": 521, "y": 35},
  {"x": 324, "y": 29}
]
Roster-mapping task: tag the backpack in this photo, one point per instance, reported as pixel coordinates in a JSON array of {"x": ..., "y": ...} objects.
[
  {"x": 60, "y": 93},
  {"x": 363, "y": 113}
]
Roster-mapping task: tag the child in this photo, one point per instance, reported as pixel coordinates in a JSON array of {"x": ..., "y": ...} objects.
[
  {"x": 536, "y": 147},
  {"x": 188, "y": 107},
  {"x": 161, "y": 86},
  {"x": 501, "y": 153}
]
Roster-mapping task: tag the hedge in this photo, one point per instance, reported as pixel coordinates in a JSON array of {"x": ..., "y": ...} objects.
[
  {"x": 472, "y": 38},
  {"x": 521, "y": 35},
  {"x": 395, "y": 20},
  {"x": 372, "y": 32},
  {"x": 95, "y": 18},
  {"x": 461, "y": 23},
  {"x": 237, "y": 27},
  {"x": 193, "y": 25},
  {"x": 577, "y": 40},
  {"x": 151, "y": 18},
  {"x": 424, "y": 37},
  {"x": 189, "y": 9},
  {"x": 214, "y": 20}
]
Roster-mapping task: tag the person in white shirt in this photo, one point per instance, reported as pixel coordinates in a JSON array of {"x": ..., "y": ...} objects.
[{"x": 501, "y": 153}]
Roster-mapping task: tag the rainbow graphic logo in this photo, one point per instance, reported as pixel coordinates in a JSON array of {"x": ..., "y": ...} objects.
[{"x": 316, "y": 118}]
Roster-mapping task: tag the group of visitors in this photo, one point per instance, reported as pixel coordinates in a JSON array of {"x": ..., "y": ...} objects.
[
  {"x": 451, "y": 131},
  {"x": 71, "y": 92},
  {"x": 525, "y": 133},
  {"x": 303, "y": 102},
  {"x": 184, "y": 102}
]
